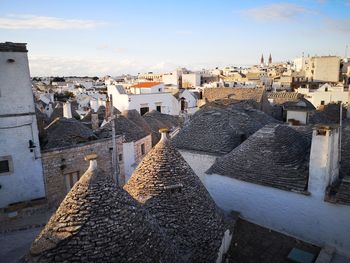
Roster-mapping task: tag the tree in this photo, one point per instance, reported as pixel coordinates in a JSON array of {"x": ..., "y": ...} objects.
[
  {"x": 64, "y": 96},
  {"x": 58, "y": 79}
]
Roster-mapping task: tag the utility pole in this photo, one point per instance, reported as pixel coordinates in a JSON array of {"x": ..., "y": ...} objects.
[{"x": 114, "y": 147}]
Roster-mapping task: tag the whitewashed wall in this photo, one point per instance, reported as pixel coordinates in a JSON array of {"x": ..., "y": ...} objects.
[
  {"x": 190, "y": 99},
  {"x": 16, "y": 129},
  {"x": 297, "y": 115},
  {"x": 199, "y": 162},
  {"x": 124, "y": 102},
  {"x": 129, "y": 159},
  {"x": 306, "y": 217},
  {"x": 309, "y": 218}
]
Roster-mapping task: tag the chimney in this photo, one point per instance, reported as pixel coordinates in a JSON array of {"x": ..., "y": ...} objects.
[
  {"x": 108, "y": 109},
  {"x": 164, "y": 133},
  {"x": 324, "y": 159},
  {"x": 67, "y": 111},
  {"x": 94, "y": 120},
  {"x": 52, "y": 97},
  {"x": 93, "y": 163},
  {"x": 49, "y": 111},
  {"x": 183, "y": 104}
]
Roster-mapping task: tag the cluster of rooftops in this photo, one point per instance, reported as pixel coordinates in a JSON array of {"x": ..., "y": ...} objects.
[
  {"x": 164, "y": 210},
  {"x": 163, "y": 214},
  {"x": 63, "y": 132},
  {"x": 252, "y": 146}
]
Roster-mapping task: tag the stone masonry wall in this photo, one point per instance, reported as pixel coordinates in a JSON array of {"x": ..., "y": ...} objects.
[{"x": 59, "y": 162}]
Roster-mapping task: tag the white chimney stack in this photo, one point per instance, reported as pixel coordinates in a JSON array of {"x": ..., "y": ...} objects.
[
  {"x": 93, "y": 163},
  {"x": 67, "y": 111},
  {"x": 324, "y": 159},
  {"x": 164, "y": 132}
]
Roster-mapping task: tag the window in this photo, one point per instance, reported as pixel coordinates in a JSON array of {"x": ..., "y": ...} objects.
[
  {"x": 120, "y": 157},
  {"x": 144, "y": 110},
  {"x": 6, "y": 166},
  {"x": 322, "y": 102},
  {"x": 71, "y": 179},
  {"x": 159, "y": 108},
  {"x": 326, "y": 89},
  {"x": 142, "y": 149}
]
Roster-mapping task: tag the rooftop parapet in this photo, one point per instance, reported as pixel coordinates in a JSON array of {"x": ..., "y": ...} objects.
[{"x": 13, "y": 47}]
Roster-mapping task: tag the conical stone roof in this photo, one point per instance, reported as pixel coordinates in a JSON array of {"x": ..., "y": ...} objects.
[
  {"x": 100, "y": 222},
  {"x": 169, "y": 189},
  {"x": 135, "y": 117},
  {"x": 276, "y": 155},
  {"x": 64, "y": 132}
]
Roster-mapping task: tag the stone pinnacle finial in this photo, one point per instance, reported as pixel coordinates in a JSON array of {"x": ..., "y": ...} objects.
[
  {"x": 164, "y": 132},
  {"x": 92, "y": 158}
]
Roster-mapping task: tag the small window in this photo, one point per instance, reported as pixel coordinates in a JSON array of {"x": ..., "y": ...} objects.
[
  {"x": 326, "y": 89},
  {"x": 159, "y": 89},
  {"x": 144, "y": 110},
  {"x": 142, "y": 149},
  {"x": 6, "y": 166},
  {"x": 159, "y": 108},
  {"x": 322, "y": 102},
  {"x": 120, "y": 157}
]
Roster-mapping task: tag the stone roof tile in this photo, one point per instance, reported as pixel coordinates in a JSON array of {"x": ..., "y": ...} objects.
[
  {"x": 64, "y": 132},
  {"x": 157, "y": 120},
  {"x": 169, "y": 189},
  {"x": 135, "y": 116},
  {"x": 219, "y": 129},
  {"x": 276, "y": 156},
  {"x": 100, "y": 222},
  {"x": 282, "y": 97},
  {"x": 255, "y": 94},
  {"x": 125, "y": 127},
  {"x": 342, "y": 195}
]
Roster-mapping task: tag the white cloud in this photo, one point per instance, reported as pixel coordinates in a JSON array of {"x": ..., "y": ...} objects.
[
  {"x": 45, "y": 22},
  {"x": 338, "y": 25},
  {"x": 275, "y": 12},
  {"x": 42, "y": 65}
]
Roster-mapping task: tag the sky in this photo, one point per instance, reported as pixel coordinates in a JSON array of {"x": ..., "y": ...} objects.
[{"x": 97, "y": 38}]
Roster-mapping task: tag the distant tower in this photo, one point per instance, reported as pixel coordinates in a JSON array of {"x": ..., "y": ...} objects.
[
  {"x": 262, "y": 60},
  {"x": 270, "y": 59},
  {"x": 21, "y": 173}
]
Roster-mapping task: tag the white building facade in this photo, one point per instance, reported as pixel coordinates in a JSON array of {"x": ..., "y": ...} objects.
[
  {"x": 326, "y": 94},
  {"x": 319, "y": 68},
  {"x": 21, "y": 174},
  {"x": 190, "y": 80},
  {"x": 144, "y": 99}
]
